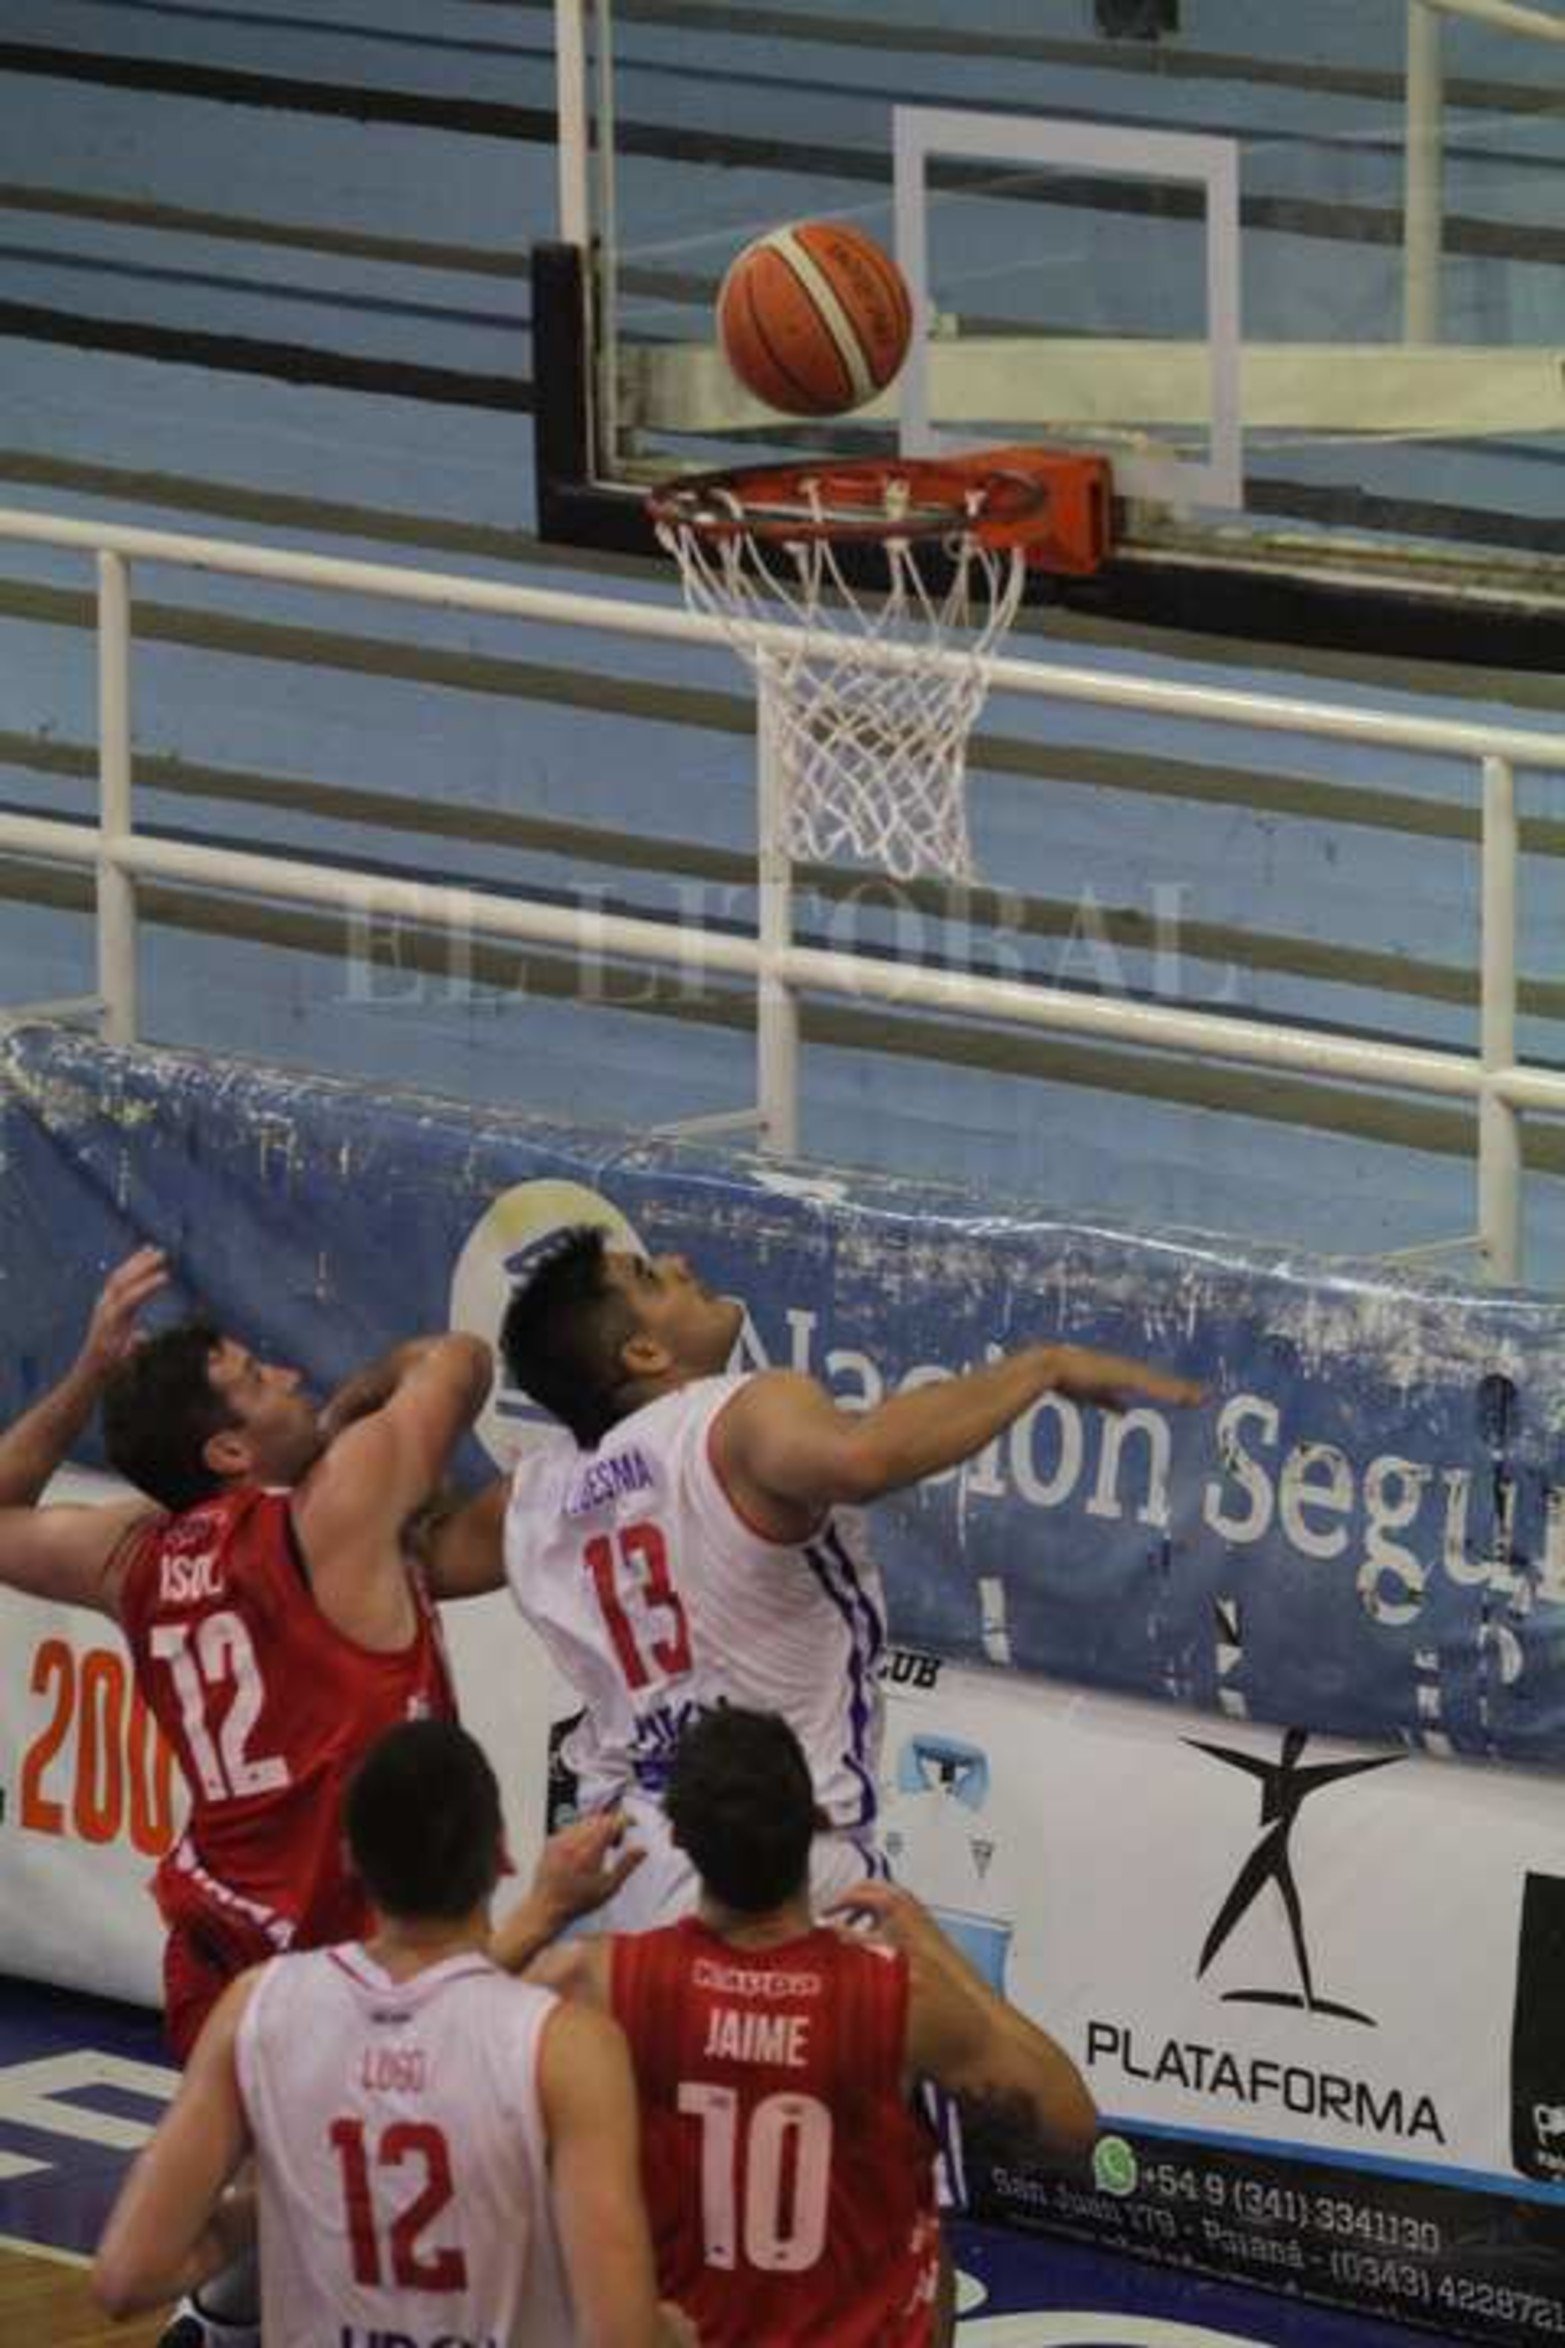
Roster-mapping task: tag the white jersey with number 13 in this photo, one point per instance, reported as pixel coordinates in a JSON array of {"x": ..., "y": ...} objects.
[{"x": 657, "y": 1600}]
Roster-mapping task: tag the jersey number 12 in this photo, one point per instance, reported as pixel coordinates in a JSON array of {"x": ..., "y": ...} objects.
[
  {"x": 413, "y": 2267},
  {"x": 219, "y": 1651}
]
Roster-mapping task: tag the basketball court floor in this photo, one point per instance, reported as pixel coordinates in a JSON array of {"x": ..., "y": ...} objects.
[{"x": 82, "y": 2079}]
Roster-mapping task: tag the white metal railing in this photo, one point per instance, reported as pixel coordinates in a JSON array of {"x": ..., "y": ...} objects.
[
  {"x": 1502, "y": 1087},
  {"x": 1424, "y": 142}
]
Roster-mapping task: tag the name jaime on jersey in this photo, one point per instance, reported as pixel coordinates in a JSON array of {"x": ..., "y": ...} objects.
[
  {"x": 736, "y": 2034},
  {"x": 1392, "y": 1523}
]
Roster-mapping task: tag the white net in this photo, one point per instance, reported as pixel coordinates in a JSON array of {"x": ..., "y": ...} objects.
[{"x": 866, "y": 701}]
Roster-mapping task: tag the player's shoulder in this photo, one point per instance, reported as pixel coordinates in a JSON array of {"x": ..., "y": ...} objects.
[
  {"x": 766, "y": 1384},
  {"x": 237, "y": 2017},
  {"x": 693, "y": 1399},
  {"x": 510, "y": 2018},
  {"x": 582, "y": 2052},
  {"x": 747, "y": 1402},
  {"x": 179, "y": 1554},
  {"x": 633, "y": 1965},
  {"x": 866, "y": 1965}
]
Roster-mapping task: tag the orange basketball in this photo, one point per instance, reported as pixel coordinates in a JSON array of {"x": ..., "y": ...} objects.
[{"x": 814, "y": 318}]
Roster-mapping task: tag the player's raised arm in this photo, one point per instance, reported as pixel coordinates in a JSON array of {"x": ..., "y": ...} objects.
[
  {"x": 1003, "y": 2070},
  {"x": 783, "y": 1439},
  {"x": 64, "y": 1552},
  {"x": 464, "y": 1547},
  {"x": 391, "y": 1432},
  {"x": 588, "y": 2096},
  {"x": 169, "y": 2232}
]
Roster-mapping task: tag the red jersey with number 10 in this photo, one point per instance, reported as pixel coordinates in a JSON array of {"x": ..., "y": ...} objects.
[
  {"x": 790, "y": 2186},
  {"x": 268, "y": 1708}
]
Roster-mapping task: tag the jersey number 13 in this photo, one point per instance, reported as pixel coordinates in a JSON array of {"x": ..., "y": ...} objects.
[{"x": 629, "y": 1569}]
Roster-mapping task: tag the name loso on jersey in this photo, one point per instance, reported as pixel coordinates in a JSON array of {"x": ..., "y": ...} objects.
[
  {"x": 371, "y": 2336},
  {"x": 393, "y": 2070}
]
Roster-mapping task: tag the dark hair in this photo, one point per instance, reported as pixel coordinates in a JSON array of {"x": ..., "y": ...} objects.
[
  {"x": 159, "y": 1410},
  {"x": 741, "y": 1804},
  {"x": 423, "y": 1821},
  {"x": 563, "y": 1332}
]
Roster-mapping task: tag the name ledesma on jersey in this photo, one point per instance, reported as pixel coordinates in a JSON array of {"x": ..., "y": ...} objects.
[{"x": 621, "y": 1473}]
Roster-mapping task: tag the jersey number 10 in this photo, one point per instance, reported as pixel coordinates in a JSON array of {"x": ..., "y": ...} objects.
[{"x": 786, "y": 2172}]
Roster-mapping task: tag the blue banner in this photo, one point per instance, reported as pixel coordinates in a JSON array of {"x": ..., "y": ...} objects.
[{"x": 1363, "y": 1530}]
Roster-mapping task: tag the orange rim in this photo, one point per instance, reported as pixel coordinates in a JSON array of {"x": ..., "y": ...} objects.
[{"x": 866, "y": 500}]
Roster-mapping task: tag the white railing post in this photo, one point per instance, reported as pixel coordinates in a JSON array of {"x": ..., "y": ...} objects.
[
  {"x": 1424, "y": 172},
  {"x": 570, "y": 73},
  {"x": 776, "y": 1004},
  {"x": 1499, "y": 1121},
  {"x": 116, "y": 888},
  {"x": 600, "y": 243}
]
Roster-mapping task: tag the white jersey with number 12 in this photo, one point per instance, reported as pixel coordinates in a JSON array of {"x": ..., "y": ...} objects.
[{"x": 402, "y": 2165}]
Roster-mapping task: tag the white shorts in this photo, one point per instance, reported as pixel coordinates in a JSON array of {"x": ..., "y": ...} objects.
[{"x": 664, "y": 1887}]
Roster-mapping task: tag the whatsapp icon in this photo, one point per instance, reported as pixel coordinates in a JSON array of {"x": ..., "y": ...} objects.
[{"x": 1114, "y": 2166}]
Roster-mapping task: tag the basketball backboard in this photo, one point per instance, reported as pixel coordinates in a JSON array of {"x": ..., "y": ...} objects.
[{"x": 1299, "y": 274}]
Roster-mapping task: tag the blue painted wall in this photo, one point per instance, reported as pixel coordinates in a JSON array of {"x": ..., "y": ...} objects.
[{"x": 1305, "y": 881}]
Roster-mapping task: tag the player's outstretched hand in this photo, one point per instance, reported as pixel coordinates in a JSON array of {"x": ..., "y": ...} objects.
[
  {"x": 678, "y": 2330},
  {"x": 905, "y": 1924},
  {"x": 113, "y": 1330},
  {"x": 895, "y": 1914},
  {"x": 1112, "y": 1379},
  {"x": 582, "y": 1866}
]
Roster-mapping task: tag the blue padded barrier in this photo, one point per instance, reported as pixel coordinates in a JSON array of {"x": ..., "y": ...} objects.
[{"x": 1361, "y": 1532}]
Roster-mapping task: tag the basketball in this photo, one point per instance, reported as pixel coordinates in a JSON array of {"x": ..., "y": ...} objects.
[{"x": 814, "y": 318}]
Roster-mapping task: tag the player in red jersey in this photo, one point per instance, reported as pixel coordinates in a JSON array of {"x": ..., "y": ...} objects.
[
  {"x": 790, "y": 2184},
  {"x": 274, "y": 1620}
]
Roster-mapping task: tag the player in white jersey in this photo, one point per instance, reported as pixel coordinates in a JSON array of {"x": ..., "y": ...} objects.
[
  {"x": 442, "y": 2154},
  {"x": 658, "y": 1601},
  {"x": 682, "y": 1542}
]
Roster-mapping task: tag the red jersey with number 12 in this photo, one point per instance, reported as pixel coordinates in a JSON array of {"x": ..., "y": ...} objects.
[
  {"x": 268, "y": 1708},
  {"x": 790, "y": 2185}
]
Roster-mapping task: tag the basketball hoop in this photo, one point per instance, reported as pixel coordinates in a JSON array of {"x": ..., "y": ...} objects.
[{"x": 868, "y": 693}]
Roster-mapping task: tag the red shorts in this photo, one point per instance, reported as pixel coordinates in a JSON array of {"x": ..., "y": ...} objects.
[{"x": 198, "y": 1965}]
